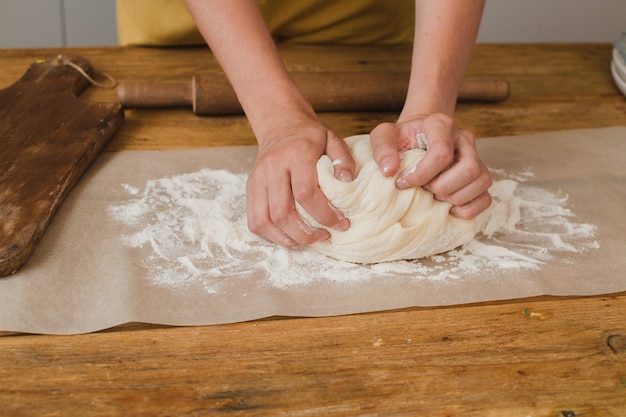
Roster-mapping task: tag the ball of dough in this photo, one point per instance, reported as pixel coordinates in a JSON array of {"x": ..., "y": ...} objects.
[{"x": 386, "y": 224}]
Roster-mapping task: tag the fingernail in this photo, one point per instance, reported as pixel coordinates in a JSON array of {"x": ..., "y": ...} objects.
[
  {"x": 343, "y": 224},
  {"x": 386, "y": 165},
  {"x": 287, "y": 242},
  {"x": 344, "y": 176},
  {"x": 323, "y": 236},
  {"x": 402, "y": 183},
  {"x": 422, "y": 142}
]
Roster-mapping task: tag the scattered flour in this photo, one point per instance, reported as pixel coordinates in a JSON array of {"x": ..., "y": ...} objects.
[{"x": 192, "y": 228}]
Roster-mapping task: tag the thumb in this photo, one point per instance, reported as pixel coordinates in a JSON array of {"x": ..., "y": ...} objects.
[
  {"x": 385, "y": 148},
  {"x": 343, "y": 162}
]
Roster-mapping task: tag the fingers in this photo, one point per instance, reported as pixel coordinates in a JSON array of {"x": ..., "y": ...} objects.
[
  {"x": 279, "y": 180},
  {"x": 343, "y": 162},
  {"x": 273, "y": 216},
  {"x": 473, "y": 208},
  {"x": 384, "y": 141},
  {"x": 466, "y": 178},
  {"x": 259, "y": 219},
  {"x": 439, "y": 131},
  {"x": 466, "y": 182},
  {"x": 451, "y": 168},
  {"x": 307, "y": 193}
]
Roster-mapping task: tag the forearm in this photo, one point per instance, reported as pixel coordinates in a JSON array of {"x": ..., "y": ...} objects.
[
  {"x": 239, "y": 39},
  {"x": 445, "y": 31}
]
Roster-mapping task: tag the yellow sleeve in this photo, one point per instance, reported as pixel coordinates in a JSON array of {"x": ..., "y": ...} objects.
[
  {"x": 155, "y": 23},
  {"x": 352, "y": 22},
  {"x": 347, "y": 22}
]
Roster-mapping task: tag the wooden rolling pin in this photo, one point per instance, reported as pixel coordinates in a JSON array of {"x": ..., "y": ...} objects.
[{"x": 211, "y": 93}]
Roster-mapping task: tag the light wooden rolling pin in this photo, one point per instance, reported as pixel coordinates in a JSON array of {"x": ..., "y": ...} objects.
[{"x": 211, "y": 93}]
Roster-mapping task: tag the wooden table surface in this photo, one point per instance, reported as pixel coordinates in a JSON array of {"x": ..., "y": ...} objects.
[{"x": 546, "y": 356}]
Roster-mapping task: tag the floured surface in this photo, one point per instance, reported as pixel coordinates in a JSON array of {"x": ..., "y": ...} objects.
[
  {"x": 160, "y": 237},
  {"x": 191, "y": 228}
]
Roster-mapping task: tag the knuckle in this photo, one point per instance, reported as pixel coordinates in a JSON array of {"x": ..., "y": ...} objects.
[
  {"x": 303, "y": 192},
  {"x": 382, "y": 129},
  {"x": 486, "y": 179},
  {"x": 456, "y": 200},
  {"x": 473, "y": 170},
  {"x": 382, "y": 137},
  {"x": 327, "y": 219},
  {"x": 443, "y": 154},
  {"x": 467, "y": 135},
  {"x": 488, "y": 201},
  {"x": 280, "y": 215},
  {"x": 257, "y": 225}
]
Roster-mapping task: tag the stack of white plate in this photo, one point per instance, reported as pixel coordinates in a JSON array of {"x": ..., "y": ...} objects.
[{"x": 618, "y": 64}]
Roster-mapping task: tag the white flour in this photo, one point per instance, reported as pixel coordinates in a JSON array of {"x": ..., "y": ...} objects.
[{"x": 192, "y": 228}]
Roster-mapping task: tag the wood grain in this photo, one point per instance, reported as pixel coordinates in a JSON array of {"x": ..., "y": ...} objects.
[
  {"x": 553, "y": 86},
  {"x": 211, "y": 94},
  {"x": 48, "y": 137},
  {"x": 539, "y": 358},
  {"x": 547, "y": 356}
]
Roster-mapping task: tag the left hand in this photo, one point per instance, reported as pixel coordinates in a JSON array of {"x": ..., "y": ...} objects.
[{"x": 451, "y": 168}]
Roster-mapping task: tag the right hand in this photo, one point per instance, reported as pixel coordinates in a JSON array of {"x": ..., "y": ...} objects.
[{"x": 451, "y": 169}]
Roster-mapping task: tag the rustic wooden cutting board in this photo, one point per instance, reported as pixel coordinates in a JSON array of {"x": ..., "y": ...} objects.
[{"x": 48, "y": 138}]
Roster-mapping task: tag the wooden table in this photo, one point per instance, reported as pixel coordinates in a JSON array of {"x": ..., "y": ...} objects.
[{"x": 547, "y": 356}]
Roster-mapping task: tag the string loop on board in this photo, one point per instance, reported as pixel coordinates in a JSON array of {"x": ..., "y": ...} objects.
[{"x": 63, "y": 60}]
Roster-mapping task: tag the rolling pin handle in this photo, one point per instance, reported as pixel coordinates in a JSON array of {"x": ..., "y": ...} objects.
[
  {"x": 136, "y": 95},
  {"x": 484, "y": 90}
]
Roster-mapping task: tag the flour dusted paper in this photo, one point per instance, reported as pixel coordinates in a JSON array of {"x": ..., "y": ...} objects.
[{"x": 161, "y": 237}]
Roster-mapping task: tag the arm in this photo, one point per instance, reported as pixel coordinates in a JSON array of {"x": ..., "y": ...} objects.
[
  {"x": 445, "y": 31},
  {"x": 290, "y": 136}
]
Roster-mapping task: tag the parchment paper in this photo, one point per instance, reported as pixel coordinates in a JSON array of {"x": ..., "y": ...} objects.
[{"x": 82, "y": 278}]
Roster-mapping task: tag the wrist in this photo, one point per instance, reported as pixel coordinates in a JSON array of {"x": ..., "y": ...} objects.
[
  {"x": 274, "y": 116},
  {"x": 429, "y": 95},
  {"x": 420, "y": 109}
]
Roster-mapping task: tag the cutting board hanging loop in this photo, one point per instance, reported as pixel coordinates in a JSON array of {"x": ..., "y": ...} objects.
[{"x": 63, "y": 60}]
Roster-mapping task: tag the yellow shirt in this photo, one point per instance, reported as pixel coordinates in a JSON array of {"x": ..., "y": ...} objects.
[{"x": 350, "y": 22}]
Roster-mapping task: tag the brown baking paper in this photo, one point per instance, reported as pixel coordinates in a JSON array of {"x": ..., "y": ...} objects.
[{"x": 84, "y": 277}]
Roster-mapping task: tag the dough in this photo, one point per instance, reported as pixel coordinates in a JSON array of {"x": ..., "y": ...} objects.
[{"x": 386, "y": 224}]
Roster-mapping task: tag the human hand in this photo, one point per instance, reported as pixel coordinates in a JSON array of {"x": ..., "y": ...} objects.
[
  {"x": 285, "y": 173},
  {"x": 451, "y": 168}
]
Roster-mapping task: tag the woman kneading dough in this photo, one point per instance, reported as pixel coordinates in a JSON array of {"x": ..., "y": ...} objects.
[{"x": 286, "y": 201}]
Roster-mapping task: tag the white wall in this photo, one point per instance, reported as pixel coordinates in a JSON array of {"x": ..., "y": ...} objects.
[
  {"x": 553, "y": 21},
  {"x": 48, "y": 23}
]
